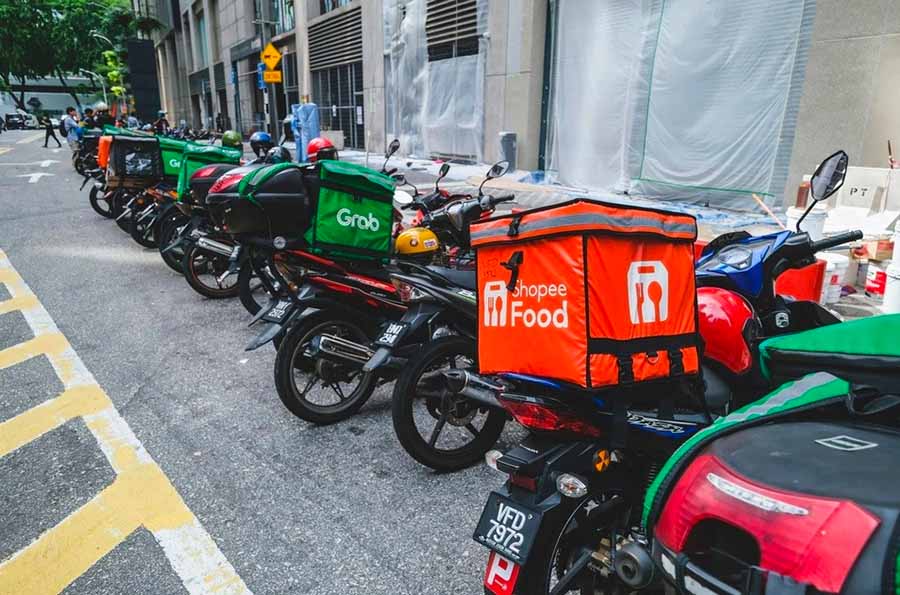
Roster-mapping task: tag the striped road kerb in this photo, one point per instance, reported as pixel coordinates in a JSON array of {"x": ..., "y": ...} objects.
[{"x": 139, "y": 496}]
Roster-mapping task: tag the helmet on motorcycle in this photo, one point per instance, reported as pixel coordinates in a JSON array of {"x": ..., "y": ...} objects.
[
  {"x": 416, "y": 241},
  {"x": 101, "y": 106},
  {"x": 260, "y": 143},
  {"x": 232, "y": 138},
  {"x": 278, "y": 155},
  {"x": 161, "y": 113},
  {"x": 320, "y": 148},
  {"x": 147, "y": 127}
]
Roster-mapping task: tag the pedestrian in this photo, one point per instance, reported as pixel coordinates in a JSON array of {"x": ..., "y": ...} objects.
[
  {"x": 161, "y": 125},
  {"x": 70, "y": 125},
  {"x": 133, "y": 121},
  {"x": 49, "y": 131},
  {"x": 89, "y": 121}
]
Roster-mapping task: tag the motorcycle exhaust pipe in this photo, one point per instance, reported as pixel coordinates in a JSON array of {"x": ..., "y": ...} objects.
[
  {"x": 473, "y": 386},
  {"x": 341, "y": 350},
  {"x": 216, "y": 247}
]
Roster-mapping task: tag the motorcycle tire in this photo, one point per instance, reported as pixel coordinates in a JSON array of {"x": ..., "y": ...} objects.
[
  {"x": 144, "y": 232},
  {"x": 464, "y": 411},
  {"x": 197, "y": 264},
  {"x": 291, "y": 357},
  {"x": 168, "y": 229},
  {"x": 101, "y": 202}
]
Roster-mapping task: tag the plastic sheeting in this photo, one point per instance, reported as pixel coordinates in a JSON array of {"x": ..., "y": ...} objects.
[
  {"x": 690, "y": 100},
  {"x": 435, "y": 108},
  {"x": 305, "y": 126}
]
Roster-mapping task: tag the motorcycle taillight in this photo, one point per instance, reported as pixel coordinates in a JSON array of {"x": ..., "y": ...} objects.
[
  {"x": 811, "y": 539},
  {"x": 224, "y": 182},
  {"x": 536, "y": 416},
  {"x": 204, "y": 172}
]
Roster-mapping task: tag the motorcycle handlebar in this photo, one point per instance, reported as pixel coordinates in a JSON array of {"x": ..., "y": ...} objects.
[
  {"x": 496, "y": 200},
  {"x": 831, "y": 242}
]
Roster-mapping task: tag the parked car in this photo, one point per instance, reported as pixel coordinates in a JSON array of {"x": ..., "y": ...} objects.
[{"x": 15, "y": 122}]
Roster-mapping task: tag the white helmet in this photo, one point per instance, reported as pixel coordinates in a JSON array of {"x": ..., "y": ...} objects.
[{"x": 101, "y": 106}]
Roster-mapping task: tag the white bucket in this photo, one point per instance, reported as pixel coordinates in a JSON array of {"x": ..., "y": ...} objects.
[
  {"x": 835, "y": 274},
  {"x": 895, "y": 257},
  {"x": 826, "y": 284},
  {"x": 814, "y": 224},
  {"x": 891, "y": 303}
]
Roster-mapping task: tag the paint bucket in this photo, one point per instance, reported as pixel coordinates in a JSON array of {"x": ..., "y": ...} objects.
[
  {"x": 876, "y": 281},
  {"x": 891, "y": 303},
  {"x": 896, "y": 239},
  {"x": 835, "y": 274},
  {"x": 814, "y": 224}
]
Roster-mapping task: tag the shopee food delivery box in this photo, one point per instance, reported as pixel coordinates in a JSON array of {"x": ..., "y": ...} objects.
[{"x": 587, "y": 292}]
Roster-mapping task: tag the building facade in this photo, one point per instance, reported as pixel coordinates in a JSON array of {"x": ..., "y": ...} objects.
[{"x": 571, "y": 79}]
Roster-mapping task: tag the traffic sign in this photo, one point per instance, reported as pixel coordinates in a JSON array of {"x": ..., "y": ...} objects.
[
  {"x": 271, "y": 56},
  {"x": 272, "y": 76},
  {"x": 260, "y": 69}
]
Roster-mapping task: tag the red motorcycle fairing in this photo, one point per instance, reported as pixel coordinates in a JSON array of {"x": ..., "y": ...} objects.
[{"x": 723, "y": 317}]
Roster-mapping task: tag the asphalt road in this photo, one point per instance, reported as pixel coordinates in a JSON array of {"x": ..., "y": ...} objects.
[{"x": 290, "y": 506}]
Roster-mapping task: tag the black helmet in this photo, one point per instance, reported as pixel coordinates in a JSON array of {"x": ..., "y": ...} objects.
[
  {"x": 260, "y": 143},
  {"x": 278, "y": 155}
]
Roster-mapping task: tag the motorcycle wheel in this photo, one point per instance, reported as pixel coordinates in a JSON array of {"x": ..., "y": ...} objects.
[
  {"x": 169, "y": 226},
  {"x": 340, "y": 392},
  {"x": 202, "y": 269},
  {"x": 100, "y": 202},
  {"x": 566, "y": 536},
  {"x": 144, "y": 232},
  {"x": 462, "y": 431},
  {"x": 253, "y": 293}
]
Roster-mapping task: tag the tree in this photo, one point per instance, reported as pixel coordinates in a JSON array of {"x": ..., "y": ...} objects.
[{"x": 58, "y": 37}]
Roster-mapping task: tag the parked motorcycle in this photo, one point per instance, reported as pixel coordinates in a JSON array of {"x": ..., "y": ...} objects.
[{"x": 568, "y": 517}]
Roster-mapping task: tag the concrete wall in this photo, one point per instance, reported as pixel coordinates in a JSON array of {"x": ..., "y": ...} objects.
[
  {"x": 514, "y": 77},
  {"x": 373, "y": 74},
  {"x": 850, "y": 92}
]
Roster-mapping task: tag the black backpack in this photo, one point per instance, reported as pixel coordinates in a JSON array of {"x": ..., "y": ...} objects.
[{"x": 62, "y": 127}]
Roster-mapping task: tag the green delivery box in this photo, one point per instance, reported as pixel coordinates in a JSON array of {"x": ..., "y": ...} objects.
[{"x": 354, "y": 212}]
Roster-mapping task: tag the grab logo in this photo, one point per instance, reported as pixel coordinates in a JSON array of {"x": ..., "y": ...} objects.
[
  {"x": 174, "y": 163},
  {"x": 501, "y": 308},
  {"x": 347, "y": 218},
  {"x": 648, "y": 291}
]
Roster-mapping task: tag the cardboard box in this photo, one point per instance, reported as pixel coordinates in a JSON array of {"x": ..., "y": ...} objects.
[{"x": 878, "y": 249}]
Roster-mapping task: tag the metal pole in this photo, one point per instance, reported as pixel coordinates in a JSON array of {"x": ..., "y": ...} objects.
[
  {"x": 102, "y": 84},
  {"x": 269, "y": 91}
]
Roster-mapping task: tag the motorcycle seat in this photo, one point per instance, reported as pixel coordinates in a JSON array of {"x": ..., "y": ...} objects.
[{"x": 464, "y": 279}]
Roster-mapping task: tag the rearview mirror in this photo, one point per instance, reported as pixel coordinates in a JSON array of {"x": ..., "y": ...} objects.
[
  {"x": 399, "y": 178},
  {"x": 498, "y": 169},
  {"x": 829, "y": 176},
  {"x": 445, "y": 169},
  {"x": 392, "y": 148}
]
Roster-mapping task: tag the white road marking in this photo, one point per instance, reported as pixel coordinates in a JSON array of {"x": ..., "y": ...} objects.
[
  {"x": 44, "y": 163},
  {"x": 29, "y": 139},
  {"x": 193, "y": 554},
  {"x": 33, "y": 178}
]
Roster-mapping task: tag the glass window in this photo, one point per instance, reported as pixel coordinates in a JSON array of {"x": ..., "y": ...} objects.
[
  {"x": 329, "y": 5},
  {"x": 283, "y": 13},
  {"x": 201, "y": 41}
]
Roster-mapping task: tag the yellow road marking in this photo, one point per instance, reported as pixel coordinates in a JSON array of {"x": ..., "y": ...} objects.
[
  {"x": 140, "y": 496},
  {"x": 34, "y": 423},
  {"x": 5, "y": 150}
]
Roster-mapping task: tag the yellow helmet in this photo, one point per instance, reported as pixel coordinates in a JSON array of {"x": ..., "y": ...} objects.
[{"x": 416, "y": 241}]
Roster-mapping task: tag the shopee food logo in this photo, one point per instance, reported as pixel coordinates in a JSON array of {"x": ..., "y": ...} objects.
[
  {"x": 348, "y": 218},
  {"x": 502, "y": 308},
  {"x": 648, "y": 291}
]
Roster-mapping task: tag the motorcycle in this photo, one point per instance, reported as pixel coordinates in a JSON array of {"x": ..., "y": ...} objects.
[
  {"x": 357, "y": 311},
  {"x": 568, "y": 517}
]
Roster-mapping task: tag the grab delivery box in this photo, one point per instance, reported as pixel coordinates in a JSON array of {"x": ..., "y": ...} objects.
[{"x": 595, "y": 294}]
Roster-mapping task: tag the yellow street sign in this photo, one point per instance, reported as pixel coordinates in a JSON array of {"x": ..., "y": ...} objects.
[
  {"x": 270, "y": 56},
  {"x": 271, "y": 76}
]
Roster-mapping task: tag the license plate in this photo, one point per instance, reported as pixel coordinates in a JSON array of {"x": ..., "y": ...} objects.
[
  {"x": 278, "y": 312},
  {"x": 501, "y": 575},
  {"x": 507, "y": 528},
  {"x": 391, "y": 334}
]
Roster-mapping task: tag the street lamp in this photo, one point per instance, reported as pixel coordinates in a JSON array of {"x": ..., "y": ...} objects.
[
  {"x": 104, "y": 38},
  {"x": 102, "y": 84}
]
